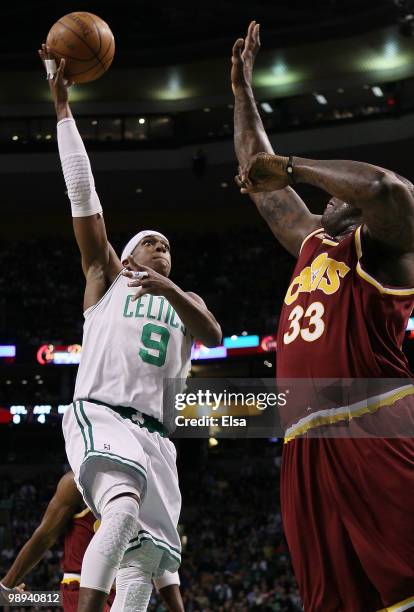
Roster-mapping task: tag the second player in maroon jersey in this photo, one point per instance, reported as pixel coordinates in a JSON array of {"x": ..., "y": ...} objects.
[{"x": 347, "y": 500}]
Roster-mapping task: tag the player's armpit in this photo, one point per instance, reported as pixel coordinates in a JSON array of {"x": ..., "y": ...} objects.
[
  {"x": 287, "y": 216},
  {"x": 390, "y": 218}
]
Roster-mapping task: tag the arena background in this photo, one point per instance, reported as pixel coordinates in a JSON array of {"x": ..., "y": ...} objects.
[{"x": 335, "y": 79}]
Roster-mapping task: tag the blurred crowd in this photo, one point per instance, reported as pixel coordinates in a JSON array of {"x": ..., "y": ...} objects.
[
  {"x": 242, "y": 276},
  {"x": 234, "y": 555}
]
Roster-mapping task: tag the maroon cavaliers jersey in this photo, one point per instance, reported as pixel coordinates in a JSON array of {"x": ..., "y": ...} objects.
[
  {"x": 77, "y": 539},
  {"x": 339, "y": 322}
]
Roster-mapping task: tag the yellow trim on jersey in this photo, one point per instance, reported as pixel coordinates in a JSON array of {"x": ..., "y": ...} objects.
[
  {"x": 401, "y": 606},
  {"x": 369, "y": 278},
  {"x": 81, "y": 514},
  {"x": 331, "y": 416},
  {"x": 69, "y": 580},
  {"x": 317, "y": 231},
  {"x": 330, "y": 242}
]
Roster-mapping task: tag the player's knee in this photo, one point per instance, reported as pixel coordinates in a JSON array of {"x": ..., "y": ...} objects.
[
  {"x": 119, "y": 525},
  {"x": 104, "y": 554}
]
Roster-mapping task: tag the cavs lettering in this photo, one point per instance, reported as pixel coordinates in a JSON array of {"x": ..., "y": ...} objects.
[{"x": 324, "y": 274}]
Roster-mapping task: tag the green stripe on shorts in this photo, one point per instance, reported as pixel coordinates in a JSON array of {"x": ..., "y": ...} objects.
[
  {"x": 87, "y": 421},
  {"x": 158, "y": 544},
  {"x": 141, "y": 533},
  {"x": 81, "y": 427}
]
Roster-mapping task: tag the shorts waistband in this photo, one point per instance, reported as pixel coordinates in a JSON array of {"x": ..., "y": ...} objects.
[{"x": 138, "y": 418}]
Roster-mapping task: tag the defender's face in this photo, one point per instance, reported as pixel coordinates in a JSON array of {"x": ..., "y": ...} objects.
[
  {"x": 154, "y": 252},
  {"x": 339, "y": 216}
]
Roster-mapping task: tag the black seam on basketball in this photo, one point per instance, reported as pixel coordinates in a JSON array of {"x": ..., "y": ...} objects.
[
  {"x": 72, "y": 74},
  {"x": 94, "y": 68},
  {"x": 98, "y": 30},
  {"x": 75, "y": 59},
  {"x": 108, "y": 49},
  {"x": 81, "y": 39},
  {"x": 102, "y": 71}
]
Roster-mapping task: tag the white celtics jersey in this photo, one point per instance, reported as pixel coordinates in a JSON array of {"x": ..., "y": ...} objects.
[{"x": 130, "y": 348}]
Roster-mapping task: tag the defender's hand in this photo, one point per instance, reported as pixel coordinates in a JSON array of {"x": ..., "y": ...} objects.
[
  {"x": 264, "y": 172},
  {"x": 243, "y": 57},
  {"x": 148, "y": 280},
  {"x": 59, "y": 85}
]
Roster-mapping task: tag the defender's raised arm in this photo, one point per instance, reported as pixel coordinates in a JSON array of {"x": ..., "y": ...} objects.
[
  {"x": 284, "y": 211},
  {"x": 384, "y": 200}
]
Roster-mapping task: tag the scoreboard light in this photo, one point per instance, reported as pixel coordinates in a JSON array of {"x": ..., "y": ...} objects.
[
  {"x": 410, "y": 324},
  {"x": 234, "y": 342},
  {"x": 18, "y": 411},
  {"x": 232, "y": 346},
  {"x": 7, "y": 351},
  {"x": 199, "y": 351},
  {"x": 42, "y": 409},
  {"x": 59, "y": 355},
  {"x": 268, "y": 343}
]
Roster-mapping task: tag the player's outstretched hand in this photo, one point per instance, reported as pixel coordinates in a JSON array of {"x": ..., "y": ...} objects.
[
  {"x": 265, "y": 172},
  {"x": 243, "y": 57},
  {"x": 148, "y": 280},
  {"x": 59, "y": 85}
]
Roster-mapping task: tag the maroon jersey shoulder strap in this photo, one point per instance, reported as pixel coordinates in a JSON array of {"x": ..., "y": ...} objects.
[{"x": 313, "y": 234}]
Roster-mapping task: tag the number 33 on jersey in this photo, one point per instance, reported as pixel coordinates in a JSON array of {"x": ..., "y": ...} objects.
[{"x": 337, "y": 318}]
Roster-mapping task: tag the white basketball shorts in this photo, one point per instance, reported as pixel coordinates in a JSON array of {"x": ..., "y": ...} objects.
[{"x": 98, "y": 442}]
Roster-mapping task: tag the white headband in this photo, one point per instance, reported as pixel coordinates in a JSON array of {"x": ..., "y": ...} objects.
[{"x": 130, "y": 246}]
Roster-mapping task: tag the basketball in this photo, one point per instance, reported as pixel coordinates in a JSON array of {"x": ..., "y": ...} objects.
[{"x": 87, "y": 44}]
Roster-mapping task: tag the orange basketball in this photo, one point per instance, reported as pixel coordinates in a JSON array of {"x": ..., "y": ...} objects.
[{"x": 87, "y": 44}]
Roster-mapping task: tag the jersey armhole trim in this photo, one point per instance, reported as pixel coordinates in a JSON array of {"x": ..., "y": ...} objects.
[
  {"x": 81, "y": 514},
  {"x": 87, "y": 312},
  {"x": 317, "y": 231},
  {"x": 370, "y": 279}
]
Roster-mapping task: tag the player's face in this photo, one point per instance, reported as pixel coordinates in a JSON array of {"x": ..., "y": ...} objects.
[
  {"x": 154, "y": 252},
  {"x": 340, "y": 216}
]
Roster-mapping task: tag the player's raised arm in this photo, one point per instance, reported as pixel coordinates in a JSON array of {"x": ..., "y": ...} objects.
[
  {"x": 284, "y": 211},
  {"x": 99, "y": 262},
  {"x": 384, "y": 199},
  {"x": 61, "y": 508}
]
